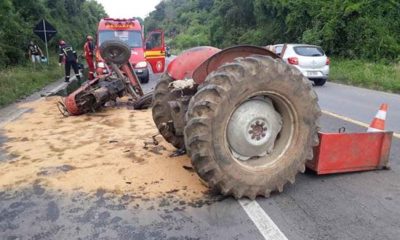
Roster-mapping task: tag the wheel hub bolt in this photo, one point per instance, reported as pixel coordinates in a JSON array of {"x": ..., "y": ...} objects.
[{"x": 257, "y": 130}]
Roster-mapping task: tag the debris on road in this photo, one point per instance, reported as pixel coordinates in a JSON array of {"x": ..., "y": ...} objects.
[
  {"x": 49, "y": 149},
  {"x": 154, "y": 142},
  {"x": 178, "y": 152},
  {"x": 189, "y": 168}
]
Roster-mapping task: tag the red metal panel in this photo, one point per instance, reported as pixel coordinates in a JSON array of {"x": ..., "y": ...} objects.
[
  {"x": 349, "y": 152},
  {"x": 133, "y": 79},
  {"x": 225, "y": 56},
  {"x": 183, "y": 65}
]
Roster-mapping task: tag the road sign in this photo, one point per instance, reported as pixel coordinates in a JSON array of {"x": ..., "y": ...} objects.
[{"x": 45, "y": 31}]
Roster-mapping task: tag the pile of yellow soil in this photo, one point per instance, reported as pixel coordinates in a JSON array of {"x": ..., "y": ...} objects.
[{"x": 103, "y": 150}]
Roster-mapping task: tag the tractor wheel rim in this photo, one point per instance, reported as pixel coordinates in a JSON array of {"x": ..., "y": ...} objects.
[{"x": 253, "y": 128}]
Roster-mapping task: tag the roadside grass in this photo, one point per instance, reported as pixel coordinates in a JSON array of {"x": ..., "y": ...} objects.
[
  {"x": 21, "y": 81},
  {"x": 373, "y": 75}
]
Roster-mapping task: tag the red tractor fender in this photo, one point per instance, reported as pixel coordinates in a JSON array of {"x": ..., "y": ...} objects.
[
  {"x": 70, "y": 101},
  {"x": 182, "y": 66},
  {"x": 227, "y": 55},
  {"x": 70, "y": 104}
]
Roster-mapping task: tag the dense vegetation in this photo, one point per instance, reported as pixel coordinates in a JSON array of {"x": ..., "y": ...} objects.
[
  {"x": 367, "y": 29},
  {"x": 73, "y": 19},
  {"x": 358, "y": 72},
  {"x": 22, "y": 80}
]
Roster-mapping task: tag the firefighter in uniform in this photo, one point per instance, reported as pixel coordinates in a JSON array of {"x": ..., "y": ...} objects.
[
  {"x": 88, "y": 48},
  {"x": 70, "y": 58}
]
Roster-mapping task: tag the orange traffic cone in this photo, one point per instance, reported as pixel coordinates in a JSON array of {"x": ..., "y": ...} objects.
[{"x": 378, "y": 123}]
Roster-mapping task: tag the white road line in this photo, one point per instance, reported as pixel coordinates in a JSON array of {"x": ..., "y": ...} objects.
[
  {"x": 396, "y": 135},
  {"x": 263, "y": 222}
]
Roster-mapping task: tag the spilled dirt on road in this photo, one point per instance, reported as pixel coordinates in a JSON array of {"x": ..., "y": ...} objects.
[{"x": 103, "y": 150}]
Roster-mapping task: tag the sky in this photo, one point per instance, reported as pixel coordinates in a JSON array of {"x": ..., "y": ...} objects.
[{"x": 128, "y": 8}]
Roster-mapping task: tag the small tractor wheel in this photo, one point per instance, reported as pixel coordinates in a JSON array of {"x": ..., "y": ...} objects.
[
  {"x": 162, "y": 112},
  {"x": 251, "y": 126},
  {"x": 144, "y": 102},
  {"x": 115, "y": 51}
]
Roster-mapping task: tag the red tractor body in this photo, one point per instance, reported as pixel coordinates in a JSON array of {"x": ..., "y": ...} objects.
[
  {"x": 183, "y": 66},
  {"x": 198, "y": 62},
  {"x": 120, "y": 80}
]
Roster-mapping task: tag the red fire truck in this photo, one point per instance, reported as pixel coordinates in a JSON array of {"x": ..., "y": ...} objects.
[{"x": 151, "y": 51}]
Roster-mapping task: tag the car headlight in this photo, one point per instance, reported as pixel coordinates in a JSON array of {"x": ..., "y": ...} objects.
[
  {"x": 101, "y": 65},
  {"x": 141, "y": 64}
]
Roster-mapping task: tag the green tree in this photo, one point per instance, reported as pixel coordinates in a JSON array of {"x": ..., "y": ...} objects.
[{"x": 73, "y": 19}]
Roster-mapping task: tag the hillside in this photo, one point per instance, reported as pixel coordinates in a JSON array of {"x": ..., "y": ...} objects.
[{"x": 349, "y": 28}]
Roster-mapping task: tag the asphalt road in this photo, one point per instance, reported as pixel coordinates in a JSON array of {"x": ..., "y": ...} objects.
[
  {"x": 359, "y": 104},
  {"x": 341, "y": 206}
]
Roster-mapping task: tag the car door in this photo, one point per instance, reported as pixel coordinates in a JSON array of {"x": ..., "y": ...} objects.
[{"x": 155, "y": 50}]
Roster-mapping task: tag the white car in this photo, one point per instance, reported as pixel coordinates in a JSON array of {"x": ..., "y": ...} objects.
[{"x": 309, "y": 59}]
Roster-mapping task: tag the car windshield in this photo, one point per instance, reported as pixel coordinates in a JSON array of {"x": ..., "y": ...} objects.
[
  {"x": 309, "y": 51},
  {"x": 132, "y": 38}
]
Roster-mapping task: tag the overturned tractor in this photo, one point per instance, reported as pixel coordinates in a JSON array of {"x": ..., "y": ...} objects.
[
  {"x": 247, "y": 120},
  {"x": 119, "y": 81}
]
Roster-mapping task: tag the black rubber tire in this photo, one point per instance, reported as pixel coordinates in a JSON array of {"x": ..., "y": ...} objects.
[
  {"x": 145, "y": 79},
  {"x": 319, "y": 81},
  {"x": 115, "y": 51},
  {"x": 162, "y": 111},
  {"x": 211, "y": 107},
  {"x": 144, "y": 102}
]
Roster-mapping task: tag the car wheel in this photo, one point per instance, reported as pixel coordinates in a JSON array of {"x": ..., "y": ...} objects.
[
  {"x": 319, "y": 81},
  {"x": 145, "y": 79}
]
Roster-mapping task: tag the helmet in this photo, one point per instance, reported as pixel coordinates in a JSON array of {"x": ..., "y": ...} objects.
[
  {"x": 62, "y": 42},
  {"x": 89, "y": 38}
]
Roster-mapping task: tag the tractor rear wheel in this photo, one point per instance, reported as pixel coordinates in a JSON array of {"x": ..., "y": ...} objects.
[
  {"x": 162, "y": 112},
  {"x": 251, "y": 126}
]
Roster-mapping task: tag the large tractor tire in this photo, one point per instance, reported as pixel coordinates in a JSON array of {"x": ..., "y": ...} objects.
[
  {"x": 251, "y": 126},
  {"x": 162, "y": 112}
]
